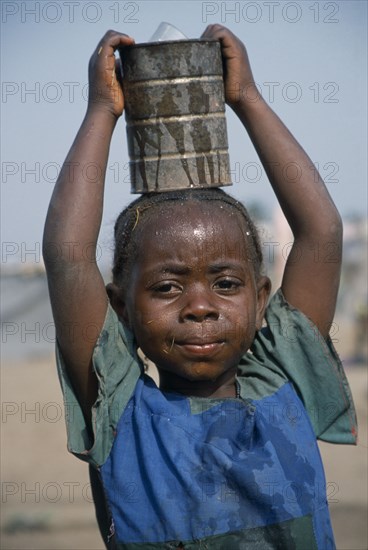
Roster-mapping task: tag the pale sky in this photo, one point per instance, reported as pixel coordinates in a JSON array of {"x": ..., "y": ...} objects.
[{"x": 309, "y": 60}]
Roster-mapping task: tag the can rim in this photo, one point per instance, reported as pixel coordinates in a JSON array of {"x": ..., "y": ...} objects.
[{"x": 164, "y": 42}]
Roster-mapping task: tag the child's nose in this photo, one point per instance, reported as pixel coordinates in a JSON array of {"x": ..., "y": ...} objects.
[{"x": 199, "y": 306}]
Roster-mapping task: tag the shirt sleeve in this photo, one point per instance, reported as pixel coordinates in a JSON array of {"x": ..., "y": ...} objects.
[
  {"x": 117, "y": 368},
  {"x": 292, "y": 349}
]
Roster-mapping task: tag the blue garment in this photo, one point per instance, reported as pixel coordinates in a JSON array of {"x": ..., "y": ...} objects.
[{"x": 226, "y": 473}]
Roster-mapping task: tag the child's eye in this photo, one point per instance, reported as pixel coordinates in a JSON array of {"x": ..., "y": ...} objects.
[
  {"x": 227, "y": 284},
  {"x": 166, "y": 288}
]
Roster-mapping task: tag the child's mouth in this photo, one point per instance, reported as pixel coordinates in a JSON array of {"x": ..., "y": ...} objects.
[{"x": 201, "y": 349}]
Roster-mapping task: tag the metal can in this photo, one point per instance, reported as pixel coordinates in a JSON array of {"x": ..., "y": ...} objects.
[{"x": 175, "y": 115}]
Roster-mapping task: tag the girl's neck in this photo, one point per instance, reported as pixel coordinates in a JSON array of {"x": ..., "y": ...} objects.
[{"x": 217, "y": 389}]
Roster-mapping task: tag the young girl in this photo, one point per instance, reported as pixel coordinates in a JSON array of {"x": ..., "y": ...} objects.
[{"x": 223, "y": 454}]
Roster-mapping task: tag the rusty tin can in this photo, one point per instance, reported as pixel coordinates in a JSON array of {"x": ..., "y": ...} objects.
[{"x": 175, "y": 115}]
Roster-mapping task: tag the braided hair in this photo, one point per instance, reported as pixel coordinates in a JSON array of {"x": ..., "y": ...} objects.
[{"x": 131, "y": 222}]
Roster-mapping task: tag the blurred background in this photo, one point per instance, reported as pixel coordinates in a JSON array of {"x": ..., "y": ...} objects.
[{"x": 309, "y": 61}]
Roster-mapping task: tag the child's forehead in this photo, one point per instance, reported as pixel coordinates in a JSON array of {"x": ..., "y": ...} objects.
[
  {"x": 216, "y": 214},
  {"x": 190, "y": 231}
]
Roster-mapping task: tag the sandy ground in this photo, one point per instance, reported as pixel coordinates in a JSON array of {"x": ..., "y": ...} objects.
[{"x": 46, "y": 500}]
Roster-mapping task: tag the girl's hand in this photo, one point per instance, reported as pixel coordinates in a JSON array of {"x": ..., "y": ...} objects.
[
  {"x": 104, "y": 72},
  {"x": 239, "y": 82}
]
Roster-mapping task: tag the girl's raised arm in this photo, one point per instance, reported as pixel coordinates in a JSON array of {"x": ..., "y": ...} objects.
[
  {"x": 312, "y": 273},
  {"x": 77, "y": 291}
]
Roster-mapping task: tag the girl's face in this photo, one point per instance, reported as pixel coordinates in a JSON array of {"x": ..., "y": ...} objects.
[{"x": 193, "y": 302}]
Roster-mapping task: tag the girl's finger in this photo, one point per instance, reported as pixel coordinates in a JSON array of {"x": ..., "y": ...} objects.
[
  {"x": 111, "y": 41},
  {"x": 118, "y": 71},
  {"x": 214, "y": 31}
]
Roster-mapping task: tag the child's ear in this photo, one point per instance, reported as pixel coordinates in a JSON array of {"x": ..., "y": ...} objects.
[
  {"x": 116, "y": 297},
  {"x": 263, "y": 293}
]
